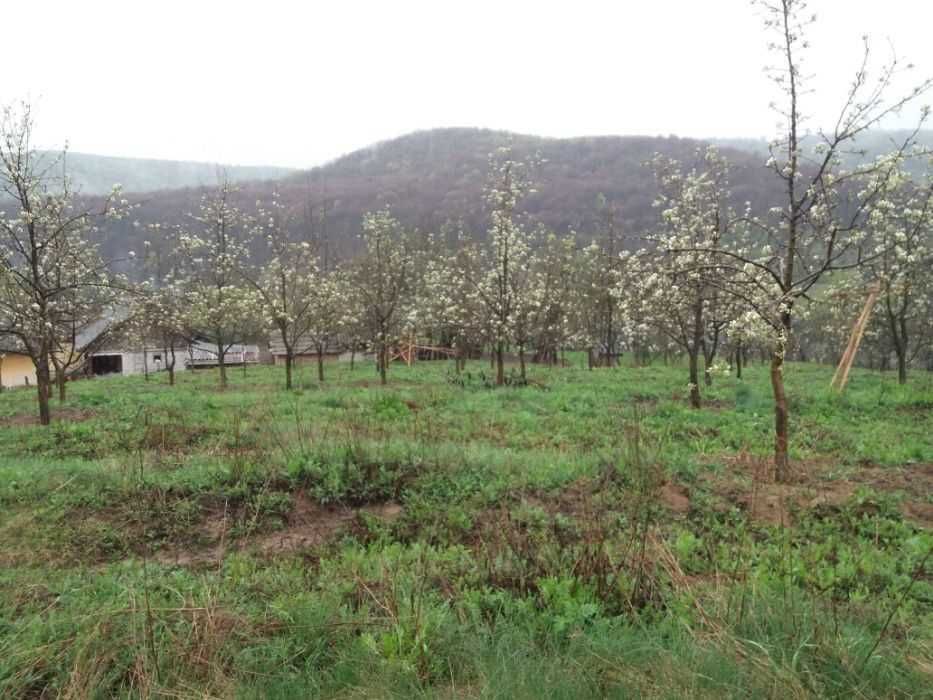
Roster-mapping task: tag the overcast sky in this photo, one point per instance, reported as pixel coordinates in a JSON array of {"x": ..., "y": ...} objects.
[{"x": 299, "y": 83}]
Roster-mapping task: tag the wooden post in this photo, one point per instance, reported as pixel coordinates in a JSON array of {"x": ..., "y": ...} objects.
[{"x": 841, "y": 377}]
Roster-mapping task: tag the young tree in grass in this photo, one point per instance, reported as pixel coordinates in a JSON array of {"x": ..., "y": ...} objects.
[
  {"x": 677, "y": 284},
  {"x": 443, "y": 302},
  {"x": 296, "y": 297},
  {"x": 220, "y": 308},
  {"x": 498, "y": 272},
  {"x": 159, "y": 315},
  {"x": 820, "y": 225},
  {"x": 158, "y": 309},
  {"x": 383, "y": 280},
  {"x": 903, "y": 232},
  {"x": 52, "y": 276},
  {"x": 553, "y": 284},
  {"x": 601, "y": 265},
  {"x": 331, "y": 314}
]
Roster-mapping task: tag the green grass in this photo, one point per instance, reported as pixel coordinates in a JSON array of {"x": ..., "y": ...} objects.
[{"x": 588, "y": 535}]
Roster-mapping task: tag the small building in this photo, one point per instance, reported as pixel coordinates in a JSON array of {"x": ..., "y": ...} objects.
[
  {"x": 16, "y": 366},
  {"x": 201, "y": 354},
  {"x": 306, "y": 355},
  {"x": 120, "y": 359},
  {"x": 125, "y": 361}
]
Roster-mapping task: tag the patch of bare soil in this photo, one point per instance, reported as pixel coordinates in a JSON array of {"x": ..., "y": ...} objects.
[
  {"x": 61, "y": 415},
  {"x": 308, "y": 525},
  {"x": 586, "y": 497},
  {"x": 748, "y": 482},
  {"x": 675, "y": 497}
]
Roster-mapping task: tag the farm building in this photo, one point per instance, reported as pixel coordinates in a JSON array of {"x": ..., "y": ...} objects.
[
  {"x": 16, "y": 367},
  {"x": 122, "y": 359},
  {"x": 305, "y": 355},
  {"x": 201, "y": 354}
]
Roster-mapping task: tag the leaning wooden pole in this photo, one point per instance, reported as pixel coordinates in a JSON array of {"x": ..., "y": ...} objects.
[{"x": 841, "y": 377}]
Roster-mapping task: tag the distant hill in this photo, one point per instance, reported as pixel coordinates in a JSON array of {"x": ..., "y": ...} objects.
[
  {"x": 429, "y": 178},
  {"x": 93, "y": 174},
  {"x": 867, "y": 146}
]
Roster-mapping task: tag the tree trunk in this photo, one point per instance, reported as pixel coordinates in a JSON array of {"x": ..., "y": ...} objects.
[
  {"x": 320, "y": 363},
  {"x": 707, "y": 364},
  {"x": 901, "y": 367},
  {"x": 43, "y": 382},
  {"x": 521, "y": 360},
  {"x": 221, "y": 357},
  {"x": 901, "y": 347},
  {"x": 170, "y": 363},
  {"x": 694, "y": 358},
  {"x": 781, "y": 417},
  {"x": 383, "y": 361},
  {"x": 500, "y": 364},
  {"x": 738, "y": 362},
  {"x": 60, "y": 379},
  {"x": 289, "y": 360}
]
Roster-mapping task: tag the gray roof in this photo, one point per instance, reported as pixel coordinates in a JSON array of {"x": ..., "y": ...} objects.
[{"x": 11, "y": 344}]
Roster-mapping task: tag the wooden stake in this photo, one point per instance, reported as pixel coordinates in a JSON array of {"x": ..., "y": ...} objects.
[{"x": 841, "y": 377}]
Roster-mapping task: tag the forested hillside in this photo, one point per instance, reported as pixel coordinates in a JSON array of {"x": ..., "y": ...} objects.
[
  {"x": 432, "y": 178},
  {"x": 94, "y": 174}
]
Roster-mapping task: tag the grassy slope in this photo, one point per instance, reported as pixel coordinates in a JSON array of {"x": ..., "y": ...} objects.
[{"x": 594, "y": 538}]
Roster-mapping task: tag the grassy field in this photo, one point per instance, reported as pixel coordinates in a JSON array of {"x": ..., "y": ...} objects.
[{"x": 588, "y": 535}]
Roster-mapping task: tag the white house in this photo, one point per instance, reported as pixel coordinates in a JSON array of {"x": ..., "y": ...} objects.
[{"x": 123, "y": 360}]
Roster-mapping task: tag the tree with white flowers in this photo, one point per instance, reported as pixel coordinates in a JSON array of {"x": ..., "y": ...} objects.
[
  {"x": 821, "y": 224},
  {"x": 301, "y": 302},
  {"x": 498, "y": 272},
  {"x": 220, "y": 308},
  {"x": 552, "y": 296},
  {"x": 677, "y": 286},
  {"x": 383, "y": 278},
  {"x": 158, "y": 309},
  {"x": 903, "y": 232},
  {"x": 598, "y": 324},
  {"x": 444, "y": 305},
  {"x": 52, "y": 277}
]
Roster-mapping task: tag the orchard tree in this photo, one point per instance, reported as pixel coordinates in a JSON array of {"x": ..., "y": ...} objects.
[
  {"x": 331, "y": 313},
  {"x": 554, "y": 280},
  {"x": 158, "y": 314},
  {"x": 820, "y": 226},
  {"x": 443, "y": 301},
  {"x": 601, "y": 266},
  {"x": 301, "y": 302},
  {"x": 903, "y": 232},
  {"x": 52, "y": 277},
  {"x": 158, "y": 309},
  {"x": 680, "y": 287},
  {"x": 498, "y": 272},
  {"x": 383, "y": 279},
  {"x": 213, "y": 245}
]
